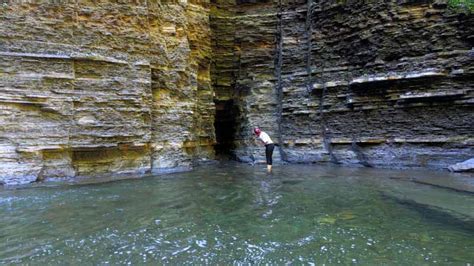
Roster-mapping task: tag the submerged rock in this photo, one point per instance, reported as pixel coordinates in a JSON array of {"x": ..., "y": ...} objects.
[
  {"x": 440, "y": 201},
  {"x": 346, "y": 215},
  {"x": 466, "y": 166},
  {"x": 327, "y": 220}
]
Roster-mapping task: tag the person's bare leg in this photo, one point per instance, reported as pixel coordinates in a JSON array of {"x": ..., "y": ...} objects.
[{"x": 269, "y": 168}]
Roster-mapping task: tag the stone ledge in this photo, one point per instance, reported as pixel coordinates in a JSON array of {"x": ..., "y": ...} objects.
[
  {"x": 400, "y": 140},
  {"x": 431, "y": 95},
  {"x": 35, "y": 55},
  {"x": 74, "y": 56},
  {"x": 392, "y": 77}
]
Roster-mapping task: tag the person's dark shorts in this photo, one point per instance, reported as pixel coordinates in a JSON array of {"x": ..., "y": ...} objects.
[{"x": 269, "y": 153}]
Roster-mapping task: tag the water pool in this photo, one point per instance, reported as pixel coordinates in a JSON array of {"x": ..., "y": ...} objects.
[{"x": 235, "y": 213}]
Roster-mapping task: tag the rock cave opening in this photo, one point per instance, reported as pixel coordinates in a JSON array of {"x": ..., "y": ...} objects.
[{"x": 225, "y": 125}]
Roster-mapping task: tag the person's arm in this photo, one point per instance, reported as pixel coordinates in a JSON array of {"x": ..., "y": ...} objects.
[
  {"x": 264, "y": 138},
  {"x": 258, "y": 140}
]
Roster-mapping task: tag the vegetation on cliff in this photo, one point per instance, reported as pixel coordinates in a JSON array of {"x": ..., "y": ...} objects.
[{"x": 462, "y": 4}]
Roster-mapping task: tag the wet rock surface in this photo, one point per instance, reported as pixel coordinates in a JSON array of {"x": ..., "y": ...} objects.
[
  {"x": 466, "y": 166},
  {"x": 383, "y": 84}
]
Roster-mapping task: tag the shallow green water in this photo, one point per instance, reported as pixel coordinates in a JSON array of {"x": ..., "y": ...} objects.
[{"x": 238, "y": 214}]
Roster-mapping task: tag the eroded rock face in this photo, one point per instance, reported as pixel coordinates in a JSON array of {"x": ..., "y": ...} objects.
[
  {"x": 244, "y": 41},
  {"x": 91, "y": 87},
  {"x": 386, "y": 83}
]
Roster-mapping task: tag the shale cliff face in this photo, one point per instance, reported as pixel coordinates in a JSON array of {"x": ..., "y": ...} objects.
[
  {"x": 385, "y": 83},
  {"x": 94, "y": 87}
]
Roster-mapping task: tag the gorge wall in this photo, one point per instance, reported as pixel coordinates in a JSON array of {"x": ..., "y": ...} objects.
[
  {"x": 381, "y": 83},
  {"x": 98, "y": 87}
]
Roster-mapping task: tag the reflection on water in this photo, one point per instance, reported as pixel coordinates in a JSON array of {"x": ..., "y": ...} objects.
[{"x": 234, "y": 213}]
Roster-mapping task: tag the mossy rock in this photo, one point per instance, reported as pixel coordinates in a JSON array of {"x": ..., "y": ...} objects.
[
  {"x": 327, "y": 220},
  {"x": 462, "y": 5}
]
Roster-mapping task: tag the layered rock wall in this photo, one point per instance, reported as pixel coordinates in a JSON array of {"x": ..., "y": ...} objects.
[
  {"x": 92, "y": 87},
  {"x": 391, "y": 85},
  {"x": 244, "y": 52},
  {"x": 372, "y": 83}
]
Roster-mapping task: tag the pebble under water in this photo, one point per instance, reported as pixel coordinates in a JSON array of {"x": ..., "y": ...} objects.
[{"x": 235, "y": 213}]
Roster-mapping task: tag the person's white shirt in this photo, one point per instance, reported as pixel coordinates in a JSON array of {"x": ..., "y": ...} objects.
[{"x": 265, "y": 138}]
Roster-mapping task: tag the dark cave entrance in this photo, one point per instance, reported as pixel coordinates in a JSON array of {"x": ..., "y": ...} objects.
[{"x": 225, "y": 125}]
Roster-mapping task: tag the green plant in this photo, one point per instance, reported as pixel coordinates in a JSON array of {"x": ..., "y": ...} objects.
[{"x": 462, "y": 4}]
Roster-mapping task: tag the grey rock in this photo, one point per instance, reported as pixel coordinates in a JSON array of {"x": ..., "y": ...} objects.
[
  {"x": 466, "y": 166},
  {"x": 392, "y": 77}
]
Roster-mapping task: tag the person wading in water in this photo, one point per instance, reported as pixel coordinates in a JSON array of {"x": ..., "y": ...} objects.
[{"x": 269, "y": 146}]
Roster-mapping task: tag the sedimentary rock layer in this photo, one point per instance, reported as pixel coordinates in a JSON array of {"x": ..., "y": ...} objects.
[
  {"x": 380, "y": 83},
  {"x": 91, "y": 87}
]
